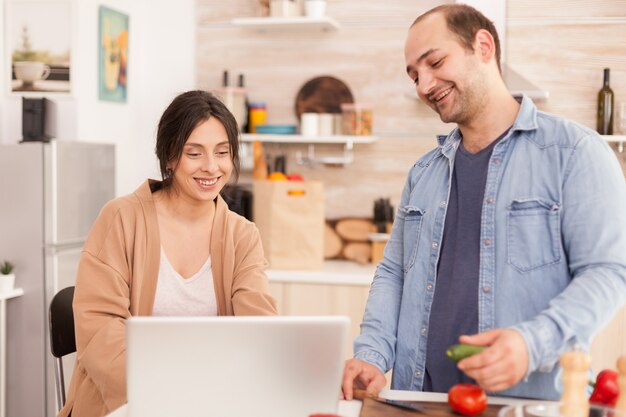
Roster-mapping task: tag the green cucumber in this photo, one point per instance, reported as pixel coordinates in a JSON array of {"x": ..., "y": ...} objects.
[{"x": 458, "y": 352}]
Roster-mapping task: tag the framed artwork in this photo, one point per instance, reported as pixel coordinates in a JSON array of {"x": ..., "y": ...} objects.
[
  {"x": 39, "y": 42},
  {"x": 113, "y": 54}
]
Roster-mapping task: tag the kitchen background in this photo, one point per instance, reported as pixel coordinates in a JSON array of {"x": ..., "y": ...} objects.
[{"x": 560, "y": 46}]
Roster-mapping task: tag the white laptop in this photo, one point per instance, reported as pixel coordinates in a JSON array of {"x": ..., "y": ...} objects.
[{"x": 234, "y": 366}]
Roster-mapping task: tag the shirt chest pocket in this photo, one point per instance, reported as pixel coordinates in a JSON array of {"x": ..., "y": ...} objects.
[
  {"x": 413, "y": 218},
  {"x": 533, "y": 234}
]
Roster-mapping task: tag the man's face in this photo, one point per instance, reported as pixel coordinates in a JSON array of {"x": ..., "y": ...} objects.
[{"x": 448, "y": 77}]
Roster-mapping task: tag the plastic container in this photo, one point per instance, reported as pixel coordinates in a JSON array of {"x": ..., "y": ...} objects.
[
  {"x": 257, "y": 113},
  {"x": 357, "y": 119}
]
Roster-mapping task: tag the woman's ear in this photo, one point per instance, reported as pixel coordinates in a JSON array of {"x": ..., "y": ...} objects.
[{"x": 485, "y": 45}]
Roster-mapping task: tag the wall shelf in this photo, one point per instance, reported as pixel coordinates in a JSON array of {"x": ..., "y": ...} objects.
[
  {"x": 264, "y": 24},
  {"x": 614, "y": 138},
  {"x": 331, "y": 139},
  {"x": 348, "y": 141}
]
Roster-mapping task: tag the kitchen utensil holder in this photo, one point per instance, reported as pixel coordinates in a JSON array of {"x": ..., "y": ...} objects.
[{"x": 311, "y": 159}]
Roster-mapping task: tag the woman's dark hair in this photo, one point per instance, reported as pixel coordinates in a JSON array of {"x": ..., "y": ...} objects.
[
  {"x": 464, "y": 21},
  {"x": 181, "y": 117}
]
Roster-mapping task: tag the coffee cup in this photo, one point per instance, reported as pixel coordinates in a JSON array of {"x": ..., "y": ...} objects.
[
  {"x": 315, "y": 8},
  {"x": 30, "y": 71}
]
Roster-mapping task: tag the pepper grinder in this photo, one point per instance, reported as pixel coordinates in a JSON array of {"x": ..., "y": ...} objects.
[
  {"x": 574, "y": 401},
  {"x": 621, "y": 383}
]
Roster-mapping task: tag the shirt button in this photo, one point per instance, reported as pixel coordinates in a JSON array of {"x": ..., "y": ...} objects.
[
  {"x": 487, "y": 242},
  {"x": 489, "y": 200},
  {"x": 423, "y": 330},
  {"x": 435, "y": 245},
  {"x": 429, "y": 286},
  {"x": 486, "y": 289},
  {"x": 417, "y": 373},
  {"x": 442, "y": 203},
  {"x": 497, "y": 161}
]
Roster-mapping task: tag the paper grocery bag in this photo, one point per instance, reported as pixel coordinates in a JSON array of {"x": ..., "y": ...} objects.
[{"x": 290, "y": 218}]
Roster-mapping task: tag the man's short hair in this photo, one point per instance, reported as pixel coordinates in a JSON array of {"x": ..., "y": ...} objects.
[{"x": 464, "y": 21}]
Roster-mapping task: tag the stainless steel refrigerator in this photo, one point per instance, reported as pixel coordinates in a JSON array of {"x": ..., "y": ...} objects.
[{"x": 50, "y": 194}]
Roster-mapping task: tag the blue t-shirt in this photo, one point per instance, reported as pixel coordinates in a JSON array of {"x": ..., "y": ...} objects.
[{"x": 454, "y": 310}]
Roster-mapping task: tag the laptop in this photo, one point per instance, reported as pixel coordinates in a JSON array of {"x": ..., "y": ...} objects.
[{"x": 234, "y": 366}]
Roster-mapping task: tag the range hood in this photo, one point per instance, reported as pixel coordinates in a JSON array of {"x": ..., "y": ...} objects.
[{"x": 519, "y": 85}]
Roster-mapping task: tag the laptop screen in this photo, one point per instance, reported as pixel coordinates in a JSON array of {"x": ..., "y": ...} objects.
[{"x": 235, "y": 366}]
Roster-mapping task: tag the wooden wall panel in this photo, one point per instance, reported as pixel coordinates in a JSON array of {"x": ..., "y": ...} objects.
[
  {"x": 565, "y": 9},
  {"x": 560, "y": 45}
]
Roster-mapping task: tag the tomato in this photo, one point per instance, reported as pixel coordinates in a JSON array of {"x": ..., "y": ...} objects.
[
  {"x": 295, "y": 177},
  {"x": 606, "y": 389},
  {"x": 467, "y": 399}
]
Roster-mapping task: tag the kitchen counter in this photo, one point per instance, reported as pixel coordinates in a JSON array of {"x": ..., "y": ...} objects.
[{"x": 336, "y": 272}]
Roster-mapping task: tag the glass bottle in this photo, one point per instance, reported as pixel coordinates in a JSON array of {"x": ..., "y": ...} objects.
[{"x": 605, "y": 107}]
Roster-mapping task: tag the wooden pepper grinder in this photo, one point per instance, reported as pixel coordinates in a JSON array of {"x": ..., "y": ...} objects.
[
  {"x": 621, "y": 383},
  {"x": 574, "y": 401}
]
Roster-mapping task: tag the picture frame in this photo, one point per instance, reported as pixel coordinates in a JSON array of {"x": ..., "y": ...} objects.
[
  {"x": 38, "y": 42},
  {"x": 113, "y": 54}
]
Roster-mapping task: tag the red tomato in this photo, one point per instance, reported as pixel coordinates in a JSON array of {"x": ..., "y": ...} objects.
[
  {"x": 324, "y": 415},
  {"x": 467, "y": 399},
  {"x": 295, "y": 177}
]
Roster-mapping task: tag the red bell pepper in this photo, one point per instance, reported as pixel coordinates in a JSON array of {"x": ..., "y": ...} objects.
[{"x": 606, "y": 390}]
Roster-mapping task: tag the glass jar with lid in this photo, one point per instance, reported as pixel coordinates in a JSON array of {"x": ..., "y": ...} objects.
[{"x": 357, "y": 119}]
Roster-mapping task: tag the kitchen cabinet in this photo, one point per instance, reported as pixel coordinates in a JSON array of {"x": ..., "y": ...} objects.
[{"x": 339, "y": 288}]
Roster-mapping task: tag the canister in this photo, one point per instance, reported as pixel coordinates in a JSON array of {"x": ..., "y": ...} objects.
[
  {"x": 357, "y": 119},
  {"x": 257, "y": 112}
]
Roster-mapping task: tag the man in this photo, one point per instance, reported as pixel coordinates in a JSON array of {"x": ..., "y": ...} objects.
[{"x": 511, "y": 234}]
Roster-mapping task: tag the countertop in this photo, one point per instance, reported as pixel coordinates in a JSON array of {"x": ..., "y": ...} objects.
[{"x": 335, "y": 272}]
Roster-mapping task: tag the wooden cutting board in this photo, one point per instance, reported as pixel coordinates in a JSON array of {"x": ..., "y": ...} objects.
[
  {"x": 323, "y": 94},
  {"x": 373, "y": 408}
]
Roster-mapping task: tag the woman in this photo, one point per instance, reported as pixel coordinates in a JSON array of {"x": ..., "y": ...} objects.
[{"x": 170, "y": 248}]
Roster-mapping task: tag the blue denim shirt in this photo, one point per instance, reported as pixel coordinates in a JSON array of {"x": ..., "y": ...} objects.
[{"x": 552, "y": 257}]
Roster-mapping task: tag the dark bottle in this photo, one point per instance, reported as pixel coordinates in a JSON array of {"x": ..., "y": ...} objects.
[
  {"x": 246, "y": 125},
  {"x": 605, "y": 107},
  {"x": 225, "y": 78}
]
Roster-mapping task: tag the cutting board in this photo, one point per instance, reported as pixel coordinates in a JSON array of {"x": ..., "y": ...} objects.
[
  {"x": 323, "y": 94},
  {"x": 373, "y": 408}
]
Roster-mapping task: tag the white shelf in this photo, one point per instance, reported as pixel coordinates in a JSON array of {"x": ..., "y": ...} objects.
[
  {"x": 333, "y": 139},
  {"x": 614, "y": 138},
  {"x": 299, "y": 22},
  {"x": 16, "y": 292}
]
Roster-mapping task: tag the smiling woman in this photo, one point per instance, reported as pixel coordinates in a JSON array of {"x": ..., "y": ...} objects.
[{"x": 172, "y": 248}]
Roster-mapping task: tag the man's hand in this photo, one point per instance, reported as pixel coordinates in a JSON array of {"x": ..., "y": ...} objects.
[
  {"x": 362, "y": 375},
  {"x": 503, "y": 364}
]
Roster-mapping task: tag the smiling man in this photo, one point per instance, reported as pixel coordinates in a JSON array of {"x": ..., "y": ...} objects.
[{"x": 511, "y": 234}]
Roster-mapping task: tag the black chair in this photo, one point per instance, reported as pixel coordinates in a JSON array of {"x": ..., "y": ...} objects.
[{"x": 62, "y": 338}]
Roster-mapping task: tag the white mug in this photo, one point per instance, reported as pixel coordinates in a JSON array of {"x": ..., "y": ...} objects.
[
  {"x": 314, "y": 8},
  {"x": 309, "y": 124},
  {"x": 326, "y": 124},
  {"x": 30, "y": 71}
]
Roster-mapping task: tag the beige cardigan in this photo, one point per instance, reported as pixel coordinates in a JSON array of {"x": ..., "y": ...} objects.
[{"x": 117, "y": 278}]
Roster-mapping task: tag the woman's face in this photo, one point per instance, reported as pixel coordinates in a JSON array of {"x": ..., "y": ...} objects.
[{"x": 206, "y": 163}]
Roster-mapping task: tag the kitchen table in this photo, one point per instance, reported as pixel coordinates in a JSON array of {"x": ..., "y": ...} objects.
[{"x": 353, "y": 408}]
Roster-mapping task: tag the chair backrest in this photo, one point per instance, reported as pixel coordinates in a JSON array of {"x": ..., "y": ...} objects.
[{"x": 62, "y": 337}]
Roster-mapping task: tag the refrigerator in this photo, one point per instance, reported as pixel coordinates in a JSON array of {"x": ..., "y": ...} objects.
[{"x": 50, "y": 195}]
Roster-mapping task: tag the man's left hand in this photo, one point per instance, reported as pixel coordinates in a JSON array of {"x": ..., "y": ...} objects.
[{"x": 503, "y": 364}]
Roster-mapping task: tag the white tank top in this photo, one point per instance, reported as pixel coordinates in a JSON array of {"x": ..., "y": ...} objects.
[{"x": 178, "y": 296}]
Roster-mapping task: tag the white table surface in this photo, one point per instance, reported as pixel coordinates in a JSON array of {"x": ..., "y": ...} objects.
[
  {"x": 345, "y": 409},
  {"x": 353, "y": 408}
]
